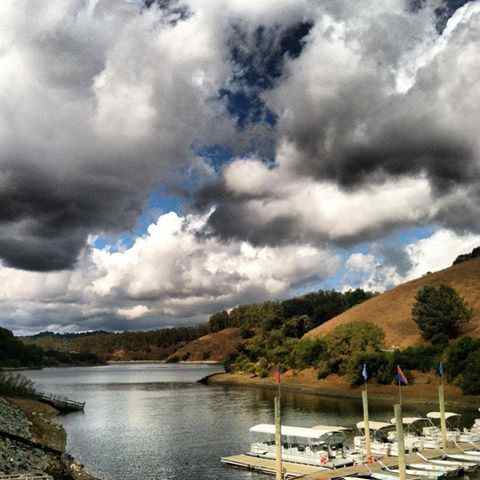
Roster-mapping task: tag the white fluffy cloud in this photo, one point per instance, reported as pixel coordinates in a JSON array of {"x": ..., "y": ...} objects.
[
  {"x": 170, "y": 273},
  {"x": 376, "y": 271}
]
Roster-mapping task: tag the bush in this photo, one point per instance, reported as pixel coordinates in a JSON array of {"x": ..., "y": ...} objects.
[
  {"x": 457, "y": 355},
  {"x": 470, "y": 382},
  {"x": 440, "y": 313},
  {"x": 351, "y": 339},
  {"x": 324, "y": 369},
  {"x": 423, "y": 358},
  {"x": 16, "y": 384},
  {"x": 380, "y": 365},
  {"x": 308, "y": 352}
]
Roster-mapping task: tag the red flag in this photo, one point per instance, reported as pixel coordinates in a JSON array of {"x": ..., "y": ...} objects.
[{"x": 277, "y": 375}]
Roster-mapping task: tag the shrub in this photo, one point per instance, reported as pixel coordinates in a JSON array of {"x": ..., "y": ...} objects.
[
  {"x": 440, "y": 313},
  {"x": 16, "y": 384},
  {"x": 308, "y": 352},
  {"x": 423, "y": 358},
  {"x": 457, "y": 355},
  {"x": 350, "y": 339},
  {"x": 324, "y": 369},
  {"x": 379, "y": 366},
  {"x": 470, "y": 382}
]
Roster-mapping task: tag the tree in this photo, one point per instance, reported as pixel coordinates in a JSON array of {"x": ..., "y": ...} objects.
[
  {"x": 458, "y": 354},
  {"x": 350, "y": 339},
  {"x": 219, "y": 321},
  {"x": 470, "y": 380},
  {"x": 440, "y": 313}
]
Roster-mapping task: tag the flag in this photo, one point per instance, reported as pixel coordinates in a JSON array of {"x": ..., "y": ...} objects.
[
  {"x": 277, "y": 375},
  {"x": 402, "y": 379},
  {"x": 364, "y": 372},
  {"x": 440, "y": 369}
]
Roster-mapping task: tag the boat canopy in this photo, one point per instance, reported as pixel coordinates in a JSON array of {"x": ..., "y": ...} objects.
[
  {"x": 329, "y": 428},
  {"x": 409, "y": 420},
  {"x": 372, "y": 425},
  {"x": 436, "y": 415},
  {"x": 299, "y": 432}
]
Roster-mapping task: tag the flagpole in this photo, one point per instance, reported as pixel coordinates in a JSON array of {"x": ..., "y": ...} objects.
[
  {"x": 278, "y": 431},
  {"x": 441, "y": 401}
]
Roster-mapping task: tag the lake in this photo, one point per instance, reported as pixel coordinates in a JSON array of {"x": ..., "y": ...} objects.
[{"x": 154, "y": 421}]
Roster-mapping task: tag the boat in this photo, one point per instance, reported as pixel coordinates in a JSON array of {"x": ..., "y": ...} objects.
[
  {"x": 383, "y": 439},
  {"x": 322, "y": 446},
  {"x": 453, "y": 434}
]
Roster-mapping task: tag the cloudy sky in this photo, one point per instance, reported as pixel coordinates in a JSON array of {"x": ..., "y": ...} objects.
[{"x": 162, "y": 160}]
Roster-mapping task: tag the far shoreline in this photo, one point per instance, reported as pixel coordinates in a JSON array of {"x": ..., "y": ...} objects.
[
  {"x": 182, "y": 362},
  {"x": 413, "y": 396}
]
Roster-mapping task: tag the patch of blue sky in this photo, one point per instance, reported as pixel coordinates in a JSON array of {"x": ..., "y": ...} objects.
[{"x": 158, "y": 204}]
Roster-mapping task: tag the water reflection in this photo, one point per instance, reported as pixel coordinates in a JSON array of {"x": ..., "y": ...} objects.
[{"x": 154, "y": 421}]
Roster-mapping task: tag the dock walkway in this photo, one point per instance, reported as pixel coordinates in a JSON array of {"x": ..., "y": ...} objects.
[
  {"x": 63, "y": 404},
  {"x": 378, "y": 467},
  {"x": 266, "y": 465},
  {"x": 311, "y": 472}
]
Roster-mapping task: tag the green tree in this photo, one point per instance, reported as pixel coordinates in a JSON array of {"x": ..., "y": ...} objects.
[
  {"x": 457, "y": 355},
  {"x": 470, "y": 381},
  {"x": 308, "y": 352},
  {"x": 440, "y": 313},
  {"x": 219, "y": 321},
  {"x": 350, "y": 339}
]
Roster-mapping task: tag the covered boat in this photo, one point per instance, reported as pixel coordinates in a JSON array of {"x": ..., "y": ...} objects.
[{"x": 321, "y": 445}]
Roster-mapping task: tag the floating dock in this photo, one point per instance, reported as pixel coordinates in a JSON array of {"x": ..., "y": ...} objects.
[
  {"x": 266, "y": 465},
  {"x": 311, "y": 472}
]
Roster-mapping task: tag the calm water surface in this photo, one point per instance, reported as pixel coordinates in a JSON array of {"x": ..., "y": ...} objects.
[{"x": 153, "y": 421}]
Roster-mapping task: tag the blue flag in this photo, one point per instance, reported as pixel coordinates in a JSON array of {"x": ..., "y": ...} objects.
[
  {"x": 440, "y": 369},
  {"x": 364, "y": 372}
]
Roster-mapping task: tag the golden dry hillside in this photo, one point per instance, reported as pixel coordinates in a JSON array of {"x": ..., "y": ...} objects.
[
  {"x": 214, "y": 347},
  {"x": 392, "y": 309}
]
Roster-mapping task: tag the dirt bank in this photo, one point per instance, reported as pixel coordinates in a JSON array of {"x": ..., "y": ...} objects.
[{"x": 423, "y": 391}]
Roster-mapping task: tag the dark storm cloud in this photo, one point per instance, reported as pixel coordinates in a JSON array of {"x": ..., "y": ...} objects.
[{"x": 405, "y": 148}]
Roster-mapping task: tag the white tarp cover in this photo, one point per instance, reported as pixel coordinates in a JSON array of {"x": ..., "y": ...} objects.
[
  {"x": 436, "y": 415},
  {"x": 373, "y": 425},
  {"x": 300, "y": 432},
  {"x": 408, "y": 420}
]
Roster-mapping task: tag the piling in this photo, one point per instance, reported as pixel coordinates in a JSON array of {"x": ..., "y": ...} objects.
[
  {"x": 400, "y": 442},
  {"x": 366, "y": 424},
  {"x": 443, "y": 421}
]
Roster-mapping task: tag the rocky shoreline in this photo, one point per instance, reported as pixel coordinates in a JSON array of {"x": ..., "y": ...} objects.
[{"x": 31, "y": 441}]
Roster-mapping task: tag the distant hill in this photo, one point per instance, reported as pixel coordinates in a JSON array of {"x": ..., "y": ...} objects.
[
  {"x": 392, "y": 309},
  {"x": 150, "y": 345},
  {"x": 16, "y": 354},
  {"x": 213, "y": 347}
]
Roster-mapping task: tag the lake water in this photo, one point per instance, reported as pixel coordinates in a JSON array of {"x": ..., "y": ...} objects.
[{"x": 154, "y": 421}]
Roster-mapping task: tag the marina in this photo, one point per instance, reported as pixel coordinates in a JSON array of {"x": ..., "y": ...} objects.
[{"x": 421, "y": 447}]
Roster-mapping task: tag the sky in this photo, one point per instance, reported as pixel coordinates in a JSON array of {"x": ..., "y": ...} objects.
[{"x": 163, "y": 160}]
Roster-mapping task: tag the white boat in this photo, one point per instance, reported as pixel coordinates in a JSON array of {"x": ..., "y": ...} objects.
[
  {"x": 431, "y": 467},
  {"x": 383, "y": 440},
  {"x": 322, "y": 446},
  {"x": 454, "y": 433},
  {"x": 463, "y": 458}
]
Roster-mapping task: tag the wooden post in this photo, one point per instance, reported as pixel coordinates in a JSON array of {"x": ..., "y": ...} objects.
[
  {"x": 278, "y": 440},
  {"x": 400, "y": 442},
  {"x": 443, "y": 421},
  {"x": 366, "y": 425}
]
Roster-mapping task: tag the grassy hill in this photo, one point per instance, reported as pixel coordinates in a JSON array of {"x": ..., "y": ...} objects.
[
  {"x": 213, "y": 347},
  {"x": 392, "y": 309}
]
